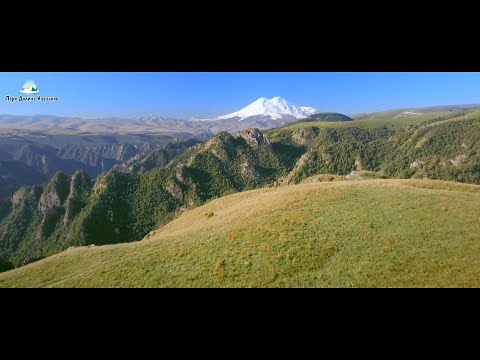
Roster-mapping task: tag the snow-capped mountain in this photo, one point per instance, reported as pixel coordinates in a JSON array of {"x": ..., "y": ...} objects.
[
  {"x": 151, "y": 119},
  {"x": 276, "y": 108}
]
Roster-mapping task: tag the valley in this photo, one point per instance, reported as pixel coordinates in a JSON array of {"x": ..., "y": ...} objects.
[
  {"x": 271, "y": 195},
  {"x": 43, "y": 154},
  {"x": 149, "y": 189},
  {"x": 376, "y": 233}
]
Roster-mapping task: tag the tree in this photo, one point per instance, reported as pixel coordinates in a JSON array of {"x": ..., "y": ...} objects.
[{"x": 5, "y": 265}]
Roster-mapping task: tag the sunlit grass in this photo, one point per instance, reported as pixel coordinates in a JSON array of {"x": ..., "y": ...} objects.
[
  {"x": 377, "y": 233},
  {"x": 387, "y": 121}
]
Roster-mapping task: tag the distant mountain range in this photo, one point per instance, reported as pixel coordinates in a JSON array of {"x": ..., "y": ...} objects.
[
  {"x": 263, "y": 113},
  {"x": 150, "y": 186},
  {"x": 34, "y": 148}
]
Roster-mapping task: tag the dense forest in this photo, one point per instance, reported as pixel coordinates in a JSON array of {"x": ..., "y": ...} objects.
[{"x": 127, "y": 202}]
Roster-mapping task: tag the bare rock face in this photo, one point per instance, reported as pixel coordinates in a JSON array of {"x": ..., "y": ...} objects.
[
  {"x": 180, "y": 175},
  {"x": 254, "y": 137},
  {"x": 458, "y": 160},
  {"x": 304, "y": 160},
  {"x": 80, "y": 186},
  {"x": 248, "y": 171},
  {"x": 125, "y": 152},
  {"x": 192, "y": 159},
  {"x": 220, "y": 137},
  {"x": 416, "y": 164},
  {"x": 354, "y": 175},
  {"x": 302, "y": 136},
  {"x": 79, "y": 183},
  {"x": 358, "y": 164},
  {"x": 54, "y": 195},
  {"x": 191, "y": 197},
  {"x": 20, "y": 196},
  {"x": 49, "y": 202},
  {"x": 69, "y": 212},
  {"x": 25, "y": 194},
  {"x": 175, "y": 190},
  {"x": 220, "y": 145},
  {"x": 326, "y": 158}
]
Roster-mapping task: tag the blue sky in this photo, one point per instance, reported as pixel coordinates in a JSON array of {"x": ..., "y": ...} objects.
[{"x": 200, "y": 95}]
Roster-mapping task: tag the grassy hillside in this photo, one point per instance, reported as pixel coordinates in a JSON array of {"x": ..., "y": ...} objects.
[
  {"x": 387, "y": 120},
  {"x": 127, "y": 203},
  {"x": 443, "y": 146},
  {"x": 322, "y": 117},
  {"x": 407, "y": 112},
  {"x": 377, "y": 233},
  {"x": 123, "y": 206}
]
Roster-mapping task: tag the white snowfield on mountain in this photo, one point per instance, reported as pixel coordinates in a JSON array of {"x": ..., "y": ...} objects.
[{"x": 276, "y": 108}]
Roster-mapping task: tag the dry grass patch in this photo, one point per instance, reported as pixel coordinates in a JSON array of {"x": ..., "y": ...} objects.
[{"x": 378, "y": 233}]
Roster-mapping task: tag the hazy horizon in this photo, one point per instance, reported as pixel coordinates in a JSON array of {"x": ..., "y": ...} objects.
[{"x": 207, "y": 95}]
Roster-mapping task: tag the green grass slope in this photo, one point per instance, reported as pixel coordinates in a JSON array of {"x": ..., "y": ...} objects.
[
  {"x": 322, "y": 117},
  {"x": 125, "y": 204},
  {"x": 385, "y": 120},
  {"x": 378, "y": 233},
  {"x": 441, "y": 147}
]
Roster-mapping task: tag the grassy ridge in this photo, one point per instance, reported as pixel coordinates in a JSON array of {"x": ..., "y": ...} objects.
[
  {"x": 124, "y": 207},
  {"x": 385, "y": 120},
  {"x": 371, "y": 233}
]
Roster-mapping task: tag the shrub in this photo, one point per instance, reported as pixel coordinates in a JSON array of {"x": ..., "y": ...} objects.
[{"x": 5, "y": 265}]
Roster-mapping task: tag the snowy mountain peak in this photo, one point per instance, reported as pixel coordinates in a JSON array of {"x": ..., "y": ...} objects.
[{"x": 275, "y": 108}]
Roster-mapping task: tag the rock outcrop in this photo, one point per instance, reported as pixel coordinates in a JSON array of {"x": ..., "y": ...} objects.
[
  {"x": 220, "y": 145},
  {"x": 302, "y": 136},
  {"x": 175, "y": 190},
  {"x": 254, "y": 137},
  {"x": 248, "y": 171},
  {"x": 359, "y": 164},
  {"x": 458, "y": 160},
  {"x": 416, "y": 164},
  {"x": 51, "y": 201},
  {"x": 304, "y": 160},
  {"x": 80, "y": 187},
  {"x": 54, "y": 195},
  {"x": 181, "y": 173}
]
